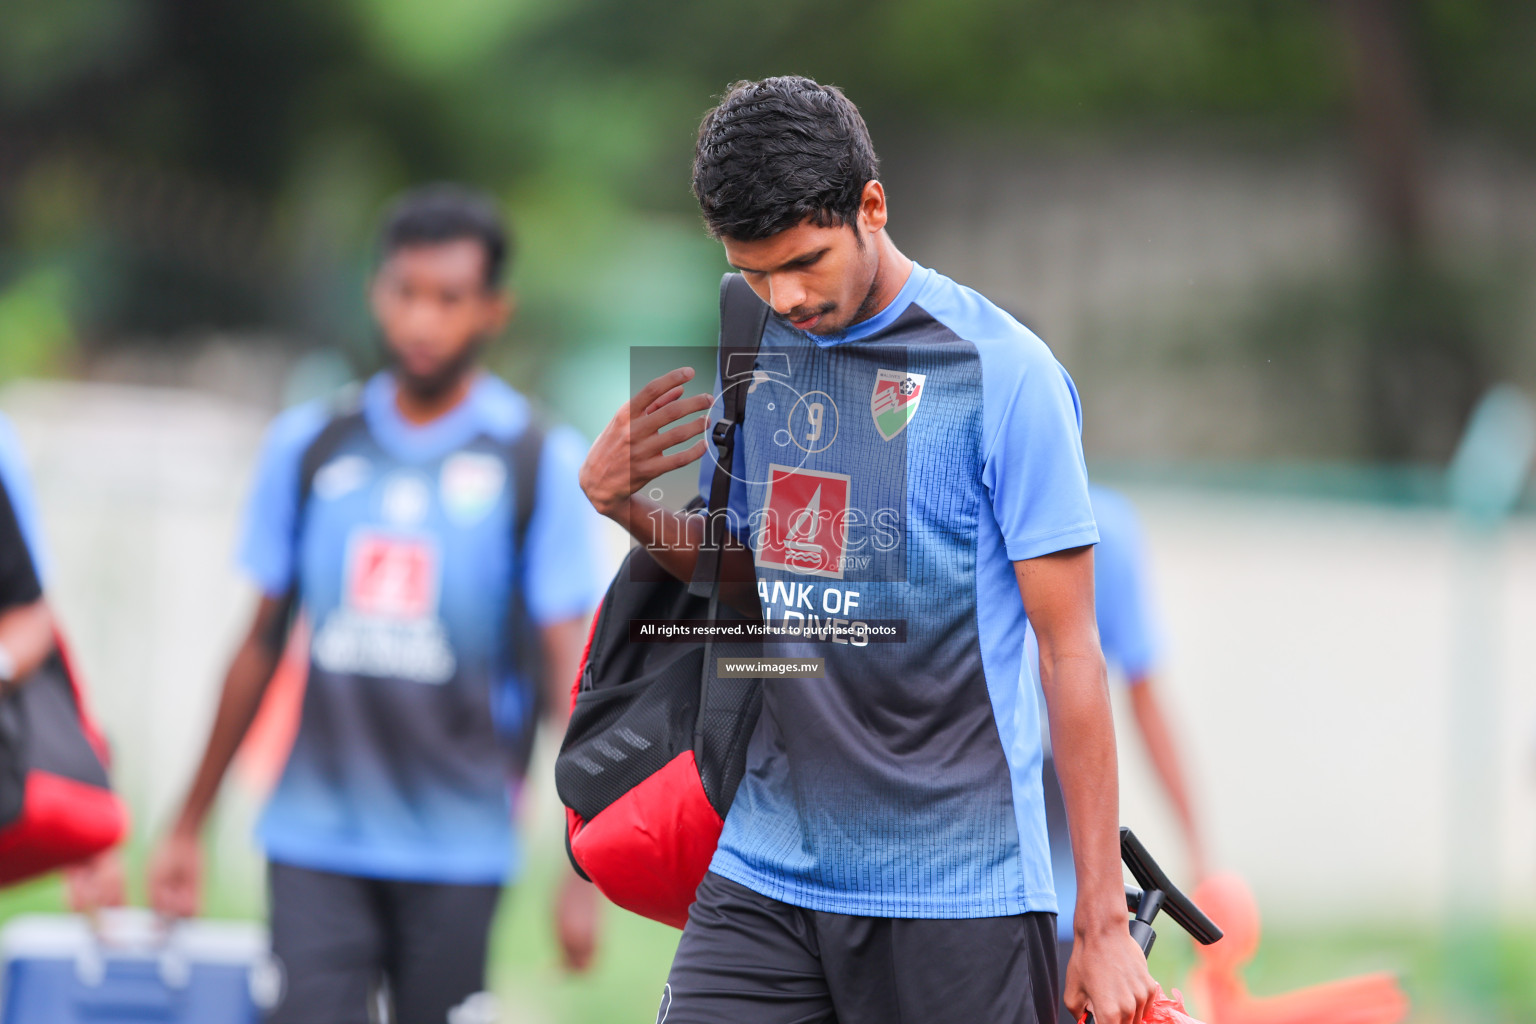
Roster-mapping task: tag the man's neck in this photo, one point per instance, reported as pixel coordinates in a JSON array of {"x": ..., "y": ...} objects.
[
  {"x": 891, "y": 273},
  {"x": 419, "y": 409}
]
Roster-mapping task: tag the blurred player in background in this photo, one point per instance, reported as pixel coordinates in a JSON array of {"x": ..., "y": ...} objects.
[
  {"x": 1129, "y": 634},
  {"x": 389, "y": 524}
]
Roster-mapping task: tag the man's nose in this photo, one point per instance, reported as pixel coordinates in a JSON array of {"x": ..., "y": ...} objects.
[
  {"x": 421, "y": 315},
  {"x": 785, "y": 295}
]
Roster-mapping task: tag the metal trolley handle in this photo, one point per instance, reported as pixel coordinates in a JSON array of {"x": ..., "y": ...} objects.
[{"x": 1157, "y": 893}]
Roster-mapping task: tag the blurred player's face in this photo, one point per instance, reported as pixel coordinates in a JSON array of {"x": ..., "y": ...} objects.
[
  {"x": 437, "y": 312},
  {"x": 821, "y": 280}
]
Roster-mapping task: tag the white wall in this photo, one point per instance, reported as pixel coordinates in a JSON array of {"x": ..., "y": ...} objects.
[
  {"x": 1310, "y": 648},
  {"x": 1313, "y": 654}
]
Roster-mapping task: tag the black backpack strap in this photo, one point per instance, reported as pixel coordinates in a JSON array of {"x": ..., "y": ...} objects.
[
  {"x": 742, "y": 319},
  {"x": 346, "y": 416},
  {"x": 525, "y": 455}
]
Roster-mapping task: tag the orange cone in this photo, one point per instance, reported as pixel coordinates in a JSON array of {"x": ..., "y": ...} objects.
[{"x": 1217, "y": 981}]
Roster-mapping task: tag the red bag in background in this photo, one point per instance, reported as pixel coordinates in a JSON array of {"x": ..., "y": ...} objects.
[{"x": 56, "y": 802}]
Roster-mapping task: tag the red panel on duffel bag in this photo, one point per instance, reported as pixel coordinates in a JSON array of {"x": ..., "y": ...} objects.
[
  {"x": 62, "y": 821},
  {"x": 648, "y": 850}
]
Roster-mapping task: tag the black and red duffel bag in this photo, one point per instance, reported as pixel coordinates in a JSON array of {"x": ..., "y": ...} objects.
[
  {"x": 56, "y": 806},
  {"x": 657, "y": 743}
]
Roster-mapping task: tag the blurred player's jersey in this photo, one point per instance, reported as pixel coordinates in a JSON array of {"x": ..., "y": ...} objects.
[
  {"x": 17, "y": 482},
  {"x": 891, "y": 476},
  {"x": 402, "y": 559},
  {"x": 1128, "y": 628}
]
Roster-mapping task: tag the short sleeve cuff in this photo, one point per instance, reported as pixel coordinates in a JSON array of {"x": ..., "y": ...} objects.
[
  {"x": 1024, "y": 548},
  {"x": 270, "y": 584}
]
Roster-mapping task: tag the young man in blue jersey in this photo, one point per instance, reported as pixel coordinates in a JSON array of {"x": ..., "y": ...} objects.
[
  {"x": 909, "y": 454},
  {"x": 391, "y": 525},
  {"x": 1128, "y": 633}
]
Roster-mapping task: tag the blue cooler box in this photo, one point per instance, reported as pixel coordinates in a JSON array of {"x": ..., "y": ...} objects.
[{"x": 130, "y": 969}]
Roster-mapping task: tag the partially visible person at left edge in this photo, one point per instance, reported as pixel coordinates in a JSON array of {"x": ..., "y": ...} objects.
[
  {"x": 28, "y": 637},
  {"x": 393, "y": 522}
]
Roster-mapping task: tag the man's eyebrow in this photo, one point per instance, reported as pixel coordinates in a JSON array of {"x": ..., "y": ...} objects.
[{"x": 801, "y": 260}]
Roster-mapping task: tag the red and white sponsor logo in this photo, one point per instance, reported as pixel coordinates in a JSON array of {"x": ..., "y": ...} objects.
[
  {"x": 805, "y": 522},
  {"x": 392, "y": 577}
]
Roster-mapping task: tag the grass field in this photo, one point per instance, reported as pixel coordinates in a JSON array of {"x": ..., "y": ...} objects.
[{"x": 625, "y": 983}]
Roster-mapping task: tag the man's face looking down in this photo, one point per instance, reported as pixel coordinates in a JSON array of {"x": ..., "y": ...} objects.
[
  {"x": 821, "y": 280},
  {"x": 436, "y": 311}
]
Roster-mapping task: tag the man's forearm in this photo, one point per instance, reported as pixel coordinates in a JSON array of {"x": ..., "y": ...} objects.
[
  {"x": 1083, "y": 738},
  {"x": 673, "y": 539},
  {"x": 244, "y": 684}
]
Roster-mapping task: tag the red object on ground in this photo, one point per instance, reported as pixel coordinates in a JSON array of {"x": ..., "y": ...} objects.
[{"x": 1217, "y": 981}]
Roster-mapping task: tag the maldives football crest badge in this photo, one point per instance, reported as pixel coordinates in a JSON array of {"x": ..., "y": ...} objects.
[{"x": 895, "y": 399}]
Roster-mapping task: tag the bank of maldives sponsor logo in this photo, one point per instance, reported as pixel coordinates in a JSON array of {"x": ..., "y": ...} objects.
[
  {"x": 895, "y": 399},
  {"x": 470, "y": 484},
  {"x": 387, "y": 624},
  {"x": 805, "y": 522}
]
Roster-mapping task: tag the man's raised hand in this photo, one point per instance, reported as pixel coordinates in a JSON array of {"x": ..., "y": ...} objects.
[{"x": 632, "y": 450}]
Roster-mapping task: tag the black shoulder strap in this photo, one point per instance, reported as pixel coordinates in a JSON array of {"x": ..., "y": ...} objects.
[
  {"x": 523, "y": 634},
  {"x": 742, "y": 318},
  {"x": 526, "y": 453},
  {"x": 346, "y": 415}
]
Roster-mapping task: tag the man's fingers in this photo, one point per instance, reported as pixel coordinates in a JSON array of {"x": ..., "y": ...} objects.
[
  {"x": 670, "y": 396},
  {"x": 682, "y": 458},
  {"x": 660, "y": 442},
  {"x": 656, "y": 464},
  {"x": 654, "y": 421},
  {"x": 658, "y": 387}
]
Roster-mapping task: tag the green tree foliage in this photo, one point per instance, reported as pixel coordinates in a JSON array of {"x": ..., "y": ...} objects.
[{"x": 219, "y": 163}]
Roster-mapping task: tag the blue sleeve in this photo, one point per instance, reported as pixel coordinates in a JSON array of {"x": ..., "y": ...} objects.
[
  {"x": 565, "y": 568},
  {"x": 1127, "y": 626},
  {"x": 18, "y": 487},
  {"x": 1032, "y": 449},
  {"x": 266, "y": 553}
]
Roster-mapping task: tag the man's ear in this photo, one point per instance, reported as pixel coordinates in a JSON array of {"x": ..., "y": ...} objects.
[
  {"x": 504, "y": 306},
  {"x": 371, "y": 294},
  {"x": 872, "y": 211}
]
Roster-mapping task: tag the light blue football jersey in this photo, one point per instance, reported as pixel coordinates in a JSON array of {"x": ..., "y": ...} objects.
[
  {"x": 402, "y": 557},
  {"x": 892, "y": 476}
]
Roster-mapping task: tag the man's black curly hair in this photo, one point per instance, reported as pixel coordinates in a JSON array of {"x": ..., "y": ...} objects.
[
  {"x": 445, "y": 212},
  {"x": 777, "y": 152}
]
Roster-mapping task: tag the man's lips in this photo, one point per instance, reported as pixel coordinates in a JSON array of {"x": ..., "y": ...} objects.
[{"x": 805, "y": 323}]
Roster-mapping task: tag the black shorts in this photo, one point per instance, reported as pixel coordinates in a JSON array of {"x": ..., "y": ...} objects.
[
  {"x": 345, "y": 942},
  {"x": 748, "y": 959}
]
